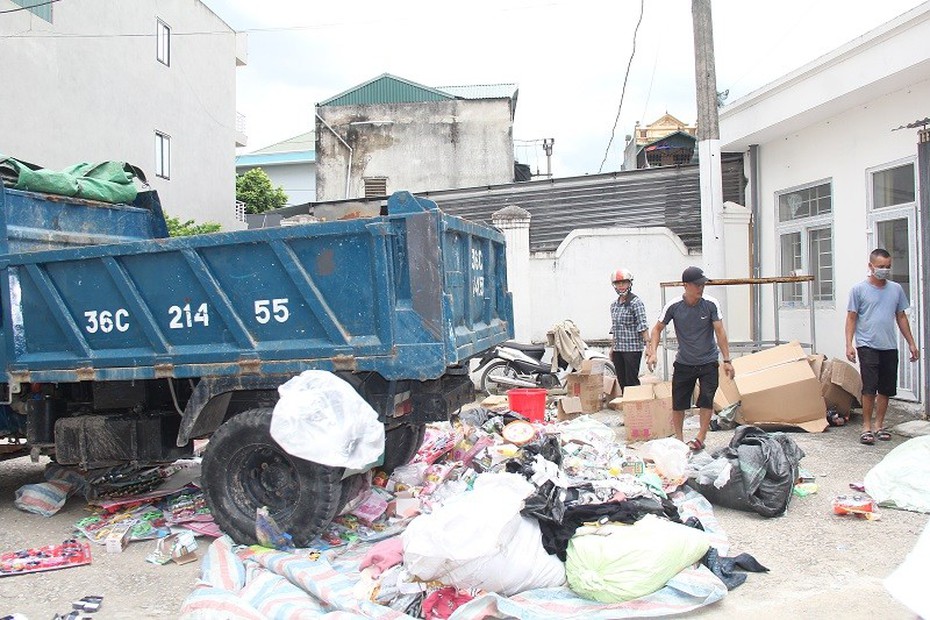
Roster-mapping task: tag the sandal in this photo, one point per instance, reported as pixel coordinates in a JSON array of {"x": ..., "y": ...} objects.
[
  {"x": 696, "y": 445},
  {"x": 835, "y": 418},
  {"x": 883, "y": 434},
  {"x": 867, "y": 438}
]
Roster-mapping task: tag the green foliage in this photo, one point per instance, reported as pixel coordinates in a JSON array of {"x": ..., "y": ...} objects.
[
  {"x": 177, "y": 228},
  {"x": 254, "y": 189}
]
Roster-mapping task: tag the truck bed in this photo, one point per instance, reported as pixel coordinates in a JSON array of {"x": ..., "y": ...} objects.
[{"x": 406, "y": 295}]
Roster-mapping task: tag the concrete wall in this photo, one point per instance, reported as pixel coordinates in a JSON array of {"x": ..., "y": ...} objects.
[
  {"x": 73, "y": 99},
  {"x": 416, "y": 146}
]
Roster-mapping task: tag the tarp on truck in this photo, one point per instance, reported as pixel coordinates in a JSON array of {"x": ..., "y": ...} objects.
[{"x": 107, "y": 181}]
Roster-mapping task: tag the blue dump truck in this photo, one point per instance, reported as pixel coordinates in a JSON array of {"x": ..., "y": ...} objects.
[{"x": 122, "y": 345}]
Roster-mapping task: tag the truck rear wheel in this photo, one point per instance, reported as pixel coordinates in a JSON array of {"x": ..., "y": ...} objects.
[
  {"x": 245, "y": 469},
  {"x": 401, "y": 445}
]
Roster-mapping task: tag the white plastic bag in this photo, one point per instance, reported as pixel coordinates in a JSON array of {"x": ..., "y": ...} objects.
[
  {"x": 480, "y": 540},
  {"x": 670, "y": 456},
  {"x": 902, "y": 478},
  {"x": 908, "y": 582},
  {"x": 321, "y": 418}
]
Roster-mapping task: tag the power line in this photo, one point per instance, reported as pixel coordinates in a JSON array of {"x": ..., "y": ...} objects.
[
  {"x": 623, "y": 90},
  {"x": 30, "y": 7}
]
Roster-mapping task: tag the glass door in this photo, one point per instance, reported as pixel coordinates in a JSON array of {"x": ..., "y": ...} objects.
[{"x": 893, "y": 219}]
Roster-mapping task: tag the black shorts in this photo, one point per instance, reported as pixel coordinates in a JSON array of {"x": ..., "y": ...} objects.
[
  {"x": 707, "y": 377},
  {"x": 879, "y": 370}
]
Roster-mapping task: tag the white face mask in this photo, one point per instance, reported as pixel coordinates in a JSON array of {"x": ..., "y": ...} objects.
[{"x": 882, "y": 273}]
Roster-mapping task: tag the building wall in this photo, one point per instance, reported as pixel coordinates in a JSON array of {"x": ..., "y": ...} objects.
[
  {"x": 298, "y": 180},
  {"x": 416, "y": 146},
  {"x": 841, "y": 148},
  {"x": 102, "y": 97}
]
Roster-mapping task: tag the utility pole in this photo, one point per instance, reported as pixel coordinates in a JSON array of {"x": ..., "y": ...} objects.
[
  {"x": 923, "y": 176},
  {"x": 708, "y": 134}
]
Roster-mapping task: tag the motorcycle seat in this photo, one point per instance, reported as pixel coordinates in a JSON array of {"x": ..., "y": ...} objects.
[{"x": 526, "y": 348}]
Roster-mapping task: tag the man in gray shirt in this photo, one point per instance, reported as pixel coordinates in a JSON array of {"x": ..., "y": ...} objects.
[
  {"x": 875, "y": 305},
  {"x": 698, "y": 322}
]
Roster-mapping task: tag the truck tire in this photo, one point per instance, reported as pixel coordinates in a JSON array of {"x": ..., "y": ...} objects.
[
  {"x": 401, "y": 445},
  {"x": 244, "y": 469},
  {"x": 499, "y": 368}
]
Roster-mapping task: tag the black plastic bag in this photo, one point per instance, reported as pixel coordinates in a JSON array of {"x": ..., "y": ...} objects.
[{"x": 764, "y": 468}]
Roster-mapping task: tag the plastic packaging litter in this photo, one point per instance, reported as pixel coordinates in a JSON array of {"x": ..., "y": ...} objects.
[
  {"x": 321, "y": 418},
  {"x": 859, "y": 505}
]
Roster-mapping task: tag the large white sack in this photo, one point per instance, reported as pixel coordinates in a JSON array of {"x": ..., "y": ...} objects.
[
  {"x": 908, "y": 583},
  {"x": 321, "y": 418},
  {"x": 902, "y": 478},
  {"x": 480, "y": 540}
]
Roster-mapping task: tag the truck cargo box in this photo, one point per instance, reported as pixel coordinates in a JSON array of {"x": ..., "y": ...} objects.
[{"x": 406, "y": 295}]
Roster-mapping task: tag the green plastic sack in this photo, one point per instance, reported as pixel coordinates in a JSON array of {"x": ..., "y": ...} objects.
[
  {"x": 109, "y": 181},
  {"x": 615, "y": 562}
]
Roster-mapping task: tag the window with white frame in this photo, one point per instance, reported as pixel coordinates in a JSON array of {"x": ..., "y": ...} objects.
[
  {"x": 163, "y": 42},
  {"x": 805, "y": 233},
  {"x": 893, "y": 187},
  {"x": 162, "y": 155}
]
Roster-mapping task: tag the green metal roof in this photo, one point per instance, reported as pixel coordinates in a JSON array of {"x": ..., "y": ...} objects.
[{"x": 387, "y": 88}]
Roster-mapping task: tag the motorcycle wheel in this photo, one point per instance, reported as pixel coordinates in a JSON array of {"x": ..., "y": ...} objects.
[
  {"x": 609, "y": 370},
  {"x": 499, "y": 368}
]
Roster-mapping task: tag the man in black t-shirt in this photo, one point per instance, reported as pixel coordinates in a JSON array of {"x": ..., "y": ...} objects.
[{"x": 701, "y": 339}]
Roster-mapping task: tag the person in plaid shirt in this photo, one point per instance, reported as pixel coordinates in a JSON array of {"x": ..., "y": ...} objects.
[{"x": 629, "y": 328}]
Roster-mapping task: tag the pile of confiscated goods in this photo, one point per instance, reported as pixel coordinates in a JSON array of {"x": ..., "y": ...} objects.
[{"x": 500, "y": 516}]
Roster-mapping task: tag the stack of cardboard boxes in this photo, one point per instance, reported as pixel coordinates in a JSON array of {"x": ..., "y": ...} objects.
[{"x": 778, "y": 387}]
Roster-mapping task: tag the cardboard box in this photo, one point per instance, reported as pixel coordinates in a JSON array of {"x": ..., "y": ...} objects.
[
  {"x": 647, "y": 411},
  {"x": 777, "y": 387},
  {"x": 817, "y": 362},
  {"x": 611, "y": 388},
  {"x": 841, "y": 385},
  {"x": 727, "y": 393},
  {"x": 117, "y": 539},
  {"x": 568, "y": 407},
  {"x": 589, "y": 388},
  {"x": 595, "y": 366}
]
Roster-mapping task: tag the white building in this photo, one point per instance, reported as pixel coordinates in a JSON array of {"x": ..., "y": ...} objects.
[
  {"x": 831, "y": 177},
  {"x": 290, "y": 164},
  {"x": 151, "y": 82}
]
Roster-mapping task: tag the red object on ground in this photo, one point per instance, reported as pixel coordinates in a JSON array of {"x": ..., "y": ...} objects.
[
  {"x": 50, "y": 557},
  {"x": 531, "y": 402}
]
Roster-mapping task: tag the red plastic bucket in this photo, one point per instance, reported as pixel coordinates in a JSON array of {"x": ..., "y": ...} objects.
[{"x": 531, "y": 402}]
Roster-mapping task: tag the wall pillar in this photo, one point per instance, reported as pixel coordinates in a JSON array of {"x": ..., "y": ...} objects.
[
  {"x": 736, "y": 225},
  {"x": 514, "y": 222}
]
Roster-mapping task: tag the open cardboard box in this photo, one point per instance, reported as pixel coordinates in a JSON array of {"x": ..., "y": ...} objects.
[
  {"x": 778, "y": 387},
  {"x": 841, "y": 385}
]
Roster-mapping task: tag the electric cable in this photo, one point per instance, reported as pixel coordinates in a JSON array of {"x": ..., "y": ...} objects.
[{"x": 626, "y": 77}]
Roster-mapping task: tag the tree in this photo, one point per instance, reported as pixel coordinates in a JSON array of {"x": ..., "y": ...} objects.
[
  {"x": 177, "y": 228},
  {"x": 254, "y": 189}
]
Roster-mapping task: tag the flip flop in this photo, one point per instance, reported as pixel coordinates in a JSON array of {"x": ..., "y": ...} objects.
[
  {"x": 696, "y": 445},
  {"x": 883, "y": 434},
  {"x": 867, "y": 438}
]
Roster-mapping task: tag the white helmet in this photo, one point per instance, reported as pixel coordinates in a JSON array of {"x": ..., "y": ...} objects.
[{"x": 621, "y": 274}]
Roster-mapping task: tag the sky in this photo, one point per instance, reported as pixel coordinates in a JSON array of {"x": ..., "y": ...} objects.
[{"x": 568, "y": 58}]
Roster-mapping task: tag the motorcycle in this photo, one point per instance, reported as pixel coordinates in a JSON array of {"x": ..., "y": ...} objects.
[{"x": 516, "y": 365}]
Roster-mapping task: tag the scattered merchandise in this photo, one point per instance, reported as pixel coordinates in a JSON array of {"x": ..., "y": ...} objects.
[
  {"x": 859, "y": 505},
  {"x": 902, "y": 479},
  {"x": 268, "y": 533},
  {"x": 180, "y": 548},
  {"x": 804, "y": 489},
  {"x": 50, "y": 557},
  {"x": 88, "y": 604},
  {"x": 725, "y": 568}
]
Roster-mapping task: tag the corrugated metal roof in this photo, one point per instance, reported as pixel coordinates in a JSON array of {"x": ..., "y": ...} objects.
[
  {"x": 482, "y": 91},
  {"x": 668, "y": 196},
  {"x": 303, "y": 142},
  {"x": 386, "y": 88}
]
